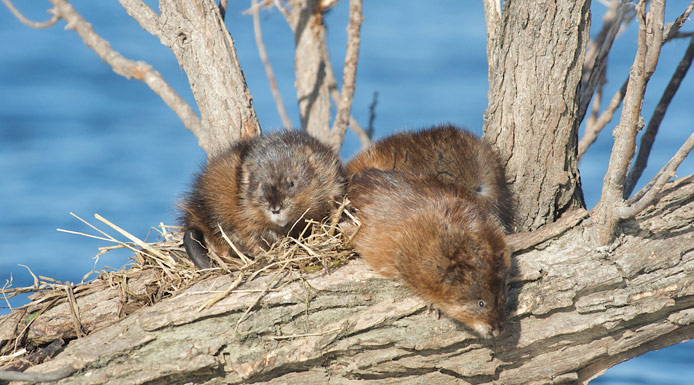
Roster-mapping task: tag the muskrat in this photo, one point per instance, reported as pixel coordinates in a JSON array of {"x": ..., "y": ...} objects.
[
  {"x": 436, "y": 239},
  {"x": 258, "y": 191},
  {"x": 453, "y": 155}
]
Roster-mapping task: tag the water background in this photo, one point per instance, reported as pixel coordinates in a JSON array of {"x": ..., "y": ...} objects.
[{"x": 76, "y": 137}]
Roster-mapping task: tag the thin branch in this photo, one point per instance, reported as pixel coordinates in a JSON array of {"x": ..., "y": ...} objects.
[
  {"x": 33, "y": 24},
  {"x": 363, "y": 135},
  {"x": 652, "y": 129},
  {"x": 673, "y": 28},
  {"x": 593, "y": 130},
  {"x": 268, "y": 68},
  {"x": 128, "y": 68},
  {"x": 372, "y": 115},
  {"x": 349, "y": 76},
  {"x": 596, "y": 59},
  {"x": 597, "y": 101},
  {"x": 656, "y": 185},
  {"x": 8, "y": 375}
]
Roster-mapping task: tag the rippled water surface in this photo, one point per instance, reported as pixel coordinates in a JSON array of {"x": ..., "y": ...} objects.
[{"x": 76, "y": 137}]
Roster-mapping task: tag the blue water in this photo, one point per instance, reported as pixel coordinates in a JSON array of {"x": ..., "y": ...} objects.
[{"x": 74, "y": 136}]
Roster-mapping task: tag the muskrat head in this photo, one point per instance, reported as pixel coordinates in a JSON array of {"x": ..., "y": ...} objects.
[
  {"x": 274, "y": 195},
  {"x": 474, "y": 280},
  {"x": 464, "y": 274}
]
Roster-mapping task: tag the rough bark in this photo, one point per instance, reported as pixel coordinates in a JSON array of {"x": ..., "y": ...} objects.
[
  {"x": 531, "y": 118},
  {"x": 575, "y": 310}
]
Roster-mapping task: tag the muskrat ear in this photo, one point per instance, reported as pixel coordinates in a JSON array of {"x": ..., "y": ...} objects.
[{"x": 194, "y": 243}]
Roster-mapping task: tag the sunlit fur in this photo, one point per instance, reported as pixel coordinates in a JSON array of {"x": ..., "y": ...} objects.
[
  {"x": 456, "y": 157},
  {"x": 261, "y": 188},
  {"x": 436, "y": 240}
]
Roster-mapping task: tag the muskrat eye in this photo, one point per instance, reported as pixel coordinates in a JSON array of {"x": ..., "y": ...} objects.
[
  {"x": 291, "y": 183},
  {"x": 481, "y": 304}
]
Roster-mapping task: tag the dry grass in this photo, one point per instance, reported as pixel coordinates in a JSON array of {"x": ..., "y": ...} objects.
[{"x": 320, "y": 246}]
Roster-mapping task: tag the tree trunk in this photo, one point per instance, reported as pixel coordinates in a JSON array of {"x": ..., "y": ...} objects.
[
  {"x": 195, "y": 32},
  {"x": 575, "y": 310},
  {"x": 536, "y": 57}
]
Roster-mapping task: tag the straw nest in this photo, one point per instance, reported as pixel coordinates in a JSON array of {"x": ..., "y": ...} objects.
[{"x": 160, "y": 269}]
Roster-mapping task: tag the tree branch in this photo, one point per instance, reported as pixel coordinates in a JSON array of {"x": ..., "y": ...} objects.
[
  {"x": 573, "y": 310},
  {"x": 649, "y": 135},
  {"x": 649, "y": 43},
  {"x": 349, "y": 76},
  {"x": 673, "y": 28},
  {"x": 266, "y": 63},
  {"x": 650, "y": 192},
  {"x": 33, "y": 24},
  {"x": 363, "y": 135},
  {"x": 54, "y": 375},
  {"x": 144, "y": 15},
  {"x": 595, "y": 63},
  {"x": 593, "y": 129},
  {"x": 128, "y": 68}
]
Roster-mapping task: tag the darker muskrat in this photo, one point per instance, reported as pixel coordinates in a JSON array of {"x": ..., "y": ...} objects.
[
  {"x": 437, "y": 240},
  {"x": 453, "y": 155},
  {"x": 257, "y": 191}
]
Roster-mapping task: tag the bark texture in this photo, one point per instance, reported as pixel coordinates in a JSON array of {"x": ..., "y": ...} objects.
[
  {"x": 195, "y": 32},
  {"x": 575, "y": 310},
  {"x": 536, "y": 61}
]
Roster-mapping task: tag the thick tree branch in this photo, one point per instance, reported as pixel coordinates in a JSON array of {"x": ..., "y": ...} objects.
[
  {"x": 349, "y": 76},
  {"x": 196, "y": 34},
  {"x": 649, "y": 135},
  {"x": 574, "y": 310}
]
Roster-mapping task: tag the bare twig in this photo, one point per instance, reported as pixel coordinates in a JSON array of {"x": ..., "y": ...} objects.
[
  {"x": 649, "y": 43},
  {"x": 597, "y": 100},
  {"x": 673, "y": 28},
  {"x": 128, "y": 68},
  {"x": 362, "y": 134},
  {"x": 55, "y": 375},
  {"x": 372, "y": 116},
  {"x": 349, "y": 76},
  {"x": 33, "y": 24},
  {"x": 593, "y": 130},
  {"x": 650, "y": 192},
  {"x": 649, "y": 135},
  {"x": 268, "y": 68},
  {"x": 596, "y": 59}
]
